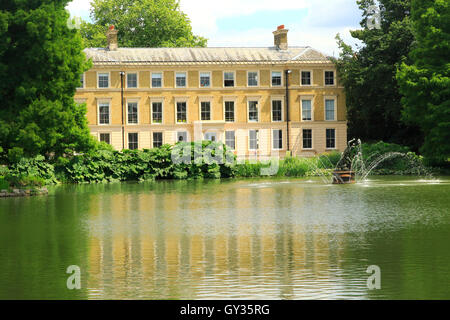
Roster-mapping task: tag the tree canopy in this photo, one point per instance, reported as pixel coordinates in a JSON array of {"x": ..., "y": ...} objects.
[
  {"x": 425, "y": 83},
  {"x": 141, "y": 23},
  {"x": 369, "y": 74},
  {"x": 41, "y": 61}
]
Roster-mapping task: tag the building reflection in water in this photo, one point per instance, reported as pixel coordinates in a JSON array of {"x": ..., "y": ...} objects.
[{"x": 210, "y": 242}]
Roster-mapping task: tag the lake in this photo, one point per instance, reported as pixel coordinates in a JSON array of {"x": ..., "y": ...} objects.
[{"x": 229, "y": 239}]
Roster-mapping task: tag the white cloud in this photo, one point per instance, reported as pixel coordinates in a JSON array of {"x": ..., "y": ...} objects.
[{"x": 79, "y": 8}]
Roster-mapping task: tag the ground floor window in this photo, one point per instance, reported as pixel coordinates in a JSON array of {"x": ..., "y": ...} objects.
[
  {"x": 157, "y": 139},
  {"x": 331, "y": 138},
  {"x": 277, "y": 139},
  {"x": 105, "y": 137},
  {"x": 133, "y": 141},
  {"x": 253, "y": 140},
  {"x": 182, "y": 136},
  {"x": 230, "y": 140},
  {"x": 307, "y": 139}
]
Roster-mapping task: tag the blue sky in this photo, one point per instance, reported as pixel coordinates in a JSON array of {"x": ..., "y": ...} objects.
[{"x": 250, "y": 23}]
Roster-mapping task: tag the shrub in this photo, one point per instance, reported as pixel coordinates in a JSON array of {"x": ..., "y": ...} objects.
[{"x": 35, "y": 167}]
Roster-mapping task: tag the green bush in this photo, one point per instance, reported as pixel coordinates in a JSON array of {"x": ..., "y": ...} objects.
[{"x": 33, "y": 167}]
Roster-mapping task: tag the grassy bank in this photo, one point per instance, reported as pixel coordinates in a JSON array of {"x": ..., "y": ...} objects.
[{"x": 106, "y": 165}]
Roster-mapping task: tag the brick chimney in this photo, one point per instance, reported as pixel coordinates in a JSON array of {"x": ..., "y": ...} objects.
[
  {"x": 280, "y": 38},
  {"x": 111, "y": 36}
]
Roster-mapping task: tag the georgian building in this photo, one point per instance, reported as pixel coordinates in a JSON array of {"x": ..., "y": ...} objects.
[{"x": 259, "y": 101}]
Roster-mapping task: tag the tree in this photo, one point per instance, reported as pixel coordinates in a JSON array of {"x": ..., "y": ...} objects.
[
  {"x": 141, "y": 23},
  {"x": 368, "y": 74},
  {"x": 41, "y": 62},
  {"x": 425, "y": 83}
]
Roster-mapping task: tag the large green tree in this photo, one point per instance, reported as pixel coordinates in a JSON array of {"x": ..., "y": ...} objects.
[
  {"x": 425, "y": 83},
  {"x": 141, "y": 23},
  {"x": 368, "y": 73},
  {"x": 41, "y": 61}
]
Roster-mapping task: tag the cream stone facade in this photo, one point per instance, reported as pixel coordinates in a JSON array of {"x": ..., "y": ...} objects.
[{"x": 142, "y": 98}]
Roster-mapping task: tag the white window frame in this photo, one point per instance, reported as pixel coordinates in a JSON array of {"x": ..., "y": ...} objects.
[
  {"x": 334, "y": 78},
  {"x": 307, "y": 97},
  {"x": 200, "y": 79},
  {"x": 335, "y": 139},
  {"x": 234, "y": 79},
  {"x": 137, "y": 79},
  {"x": 175, "y": 79},
  {"x": 227, "y": 99},
  {"x": 104, "y": 101},
  {"x": 282, "y": 139},
  {"x": 257, "y": 139},
  {"x": 105, "y": 132},
  {"x": 312, "y": 138},
  {"x": 162, "y": 136},
  {"x": 225, "y": 139},
  {"x": 257, "y": 78},
  {"x": 132, "y": 101},
  {"x": 157, "y": 100},
  {"x": 83, "y": 76},
  {"x": 251, "y": 99},
  {"x": 200, "y": 100},
  {"x": 128, "y": 139},
  {"x": 182, "y": 131},
  {"x": 98, "y": 80},
  {"x": 162, "y": 79},
  {"x": 279, "y": 98},
  {"x": 325, "y": 98},
  {"x": 187, "y": 110},
  {"x": 311, "y": 76},
  {"x": 282, "y": 80}
]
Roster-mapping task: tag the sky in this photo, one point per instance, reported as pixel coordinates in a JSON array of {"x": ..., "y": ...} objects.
[{"x": 250, "y": 23}]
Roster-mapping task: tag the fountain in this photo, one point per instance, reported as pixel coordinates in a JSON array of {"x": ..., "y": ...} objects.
[{"x": 343, "y": 173}]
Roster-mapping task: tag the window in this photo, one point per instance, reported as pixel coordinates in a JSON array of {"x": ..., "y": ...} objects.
[
  {"x": 181, "y": 112},
  {"x": 180, "y": 79},
  {"x": 103, "y": 113},
  {"x": 252, "y": 79},
  {"x": 277, "y": 139},
  {"x": 103, "y": 80},
  {"x": 182, "y": 136},
  {"x": 132, "y": 113},
  {"x": 229, "y": 111},
  {"x": 211, "y": 136},
  {"x": 329, "y": 78},
  {"x": 253, "y": 111},
  {"x": 157, "y": 139},
  {"x": 105, "y": 137},
  {"x": 156, "y": 80},
  {"x": 331, "y": 138},
  {"x": 205, "y": 79},
  {"x": 156, "y": 112},
  {"x": 329, "y": 110},
  {"x": 205, "y": 110},
  {"x": 81, "y": 81},
  {"x": 277, "y": 114},
  {"x": 306, "y": 110},
  {"x": 276, "y": 78},
  {"x": 306, "y": 78},
  {"x": 132, "y": 141},
  {"x": 253, "y": 140},
  {"x": 230, "y": 140},
  {"x": 132, "y": 80},
  {"x": 307, "y": 139},
  {"x": 228, "y": 79}
]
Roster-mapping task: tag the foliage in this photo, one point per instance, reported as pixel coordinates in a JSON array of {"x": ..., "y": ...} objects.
[
  {"x": 35, "y": 167},
  {"x": 42, "y": 60},
  {"x": 141, "y": 23},
  {"x": 425, "y": 83},
  {"x": 368, "y": 75}
]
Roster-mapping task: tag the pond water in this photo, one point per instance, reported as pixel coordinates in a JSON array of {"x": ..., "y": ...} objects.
[{"x": 229, "y": 239}]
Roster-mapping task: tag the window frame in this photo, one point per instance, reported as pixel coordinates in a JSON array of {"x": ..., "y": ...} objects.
[
  {"x": 177, "y": 136},
  {"x": 186, "y": 79},
  {"x": 137, "y": 80},
  {"x": 257, "y": 139},
  {"x": 153, "y": 138},
  {"x": 312, "y": 139},
  {"x": 257, "y": 78},
  {"x": 200, "y": 109},
  {"x": 157, "y": 100},
  {"x": 257, "y": 109},
  {"x": 187, "y": 111},
  {"x": 82, "y": 81},
  {"x": 225, "y": 100},
  {"x": 127, "y": 111},
  {"x": 234, "y": 139},
  {"x": 99, "y": 102},
  {"x": 272, "y": 99},
  {"x": 324, "y": 78},
  {"x": 137, "y": 140},
  {"x": 325, "y": 98},
  {"x": 310, "y": 98},
  {"x": 273, "y": 136},
  {"x": 326, "y": 139},
  {"x": 151, "y": 79},
  {"x": 310, "y": 77},
  {"x": 98, "y": 80},
  {"x": 234, "y": 79},
  {"x": 105, "y": 132},
  {"x": 200, "y": 79},
  {"x": 271, "y": 79}
]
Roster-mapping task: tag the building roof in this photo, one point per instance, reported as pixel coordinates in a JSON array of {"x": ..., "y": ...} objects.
[{"x": 270, "y": 55}]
